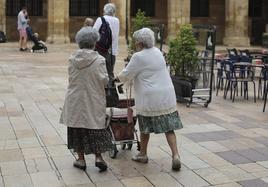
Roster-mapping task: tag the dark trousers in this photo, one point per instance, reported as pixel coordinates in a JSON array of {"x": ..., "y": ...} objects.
[{"x": 110, "y": 62}]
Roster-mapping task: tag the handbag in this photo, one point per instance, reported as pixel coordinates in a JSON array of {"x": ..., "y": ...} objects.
[
  {"x": 129, "y": 109},
  {"x": 112, "y": 97}
]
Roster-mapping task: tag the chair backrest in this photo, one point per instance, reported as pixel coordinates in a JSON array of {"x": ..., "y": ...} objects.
[
  {"x": 245, "y": 56},
  {"x": 228, "y": 68},
  {"x": 265, "y": 60},
  {"x": 233, "y": 55}
]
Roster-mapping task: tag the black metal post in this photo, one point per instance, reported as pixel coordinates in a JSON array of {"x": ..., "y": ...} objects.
[{"x": 126, "y": 34}]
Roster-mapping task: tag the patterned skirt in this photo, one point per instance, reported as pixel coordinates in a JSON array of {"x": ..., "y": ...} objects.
[
  {"x": 159, "y": 124},
  {"x": 89, "y": 141}
]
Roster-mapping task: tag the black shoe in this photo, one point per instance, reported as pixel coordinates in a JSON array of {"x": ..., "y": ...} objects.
[
  {"x": 101, "y": 165},
  {"x": 21, "y": 49}
]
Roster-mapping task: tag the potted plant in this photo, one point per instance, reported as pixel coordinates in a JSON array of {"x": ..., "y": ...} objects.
[
  {"x": 140, "y": 21},
  {"x": 183, "y": 61}
]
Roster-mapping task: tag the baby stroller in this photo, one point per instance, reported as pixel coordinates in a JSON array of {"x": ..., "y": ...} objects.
[
  {"x": 122, "y": 120},
  {"x": 37, "y": 45}
]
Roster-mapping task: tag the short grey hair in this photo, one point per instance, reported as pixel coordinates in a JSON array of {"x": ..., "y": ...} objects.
[
  {"x": 145, "y": 36},
  {"x": 109, "y": 9},
  {"x": 87, "y": 37}
]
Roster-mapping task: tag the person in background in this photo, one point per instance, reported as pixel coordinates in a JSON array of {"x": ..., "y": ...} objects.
[
  {"x": 155, "y": 99},
  {"x": 114, "y": 23},
  {"x": 84, "y": 110},
  {"x": 88, "y": 22},
  {"x": 22, "y": 25}
]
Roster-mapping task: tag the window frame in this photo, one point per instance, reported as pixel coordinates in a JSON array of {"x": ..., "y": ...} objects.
[
  {"x": 34, "y": 7},
  {"x": 139, "y": 4},
  {"x": 253, "y": 12},
  {"x": 196, "y": 10},
  {"x": 79, "y": 4}
]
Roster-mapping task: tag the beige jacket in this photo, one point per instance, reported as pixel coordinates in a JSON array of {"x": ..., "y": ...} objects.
[{"x": 85, "y": 100}]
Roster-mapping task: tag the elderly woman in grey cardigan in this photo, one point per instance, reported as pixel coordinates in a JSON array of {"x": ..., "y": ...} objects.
[
  {"x": 154, "y": 95},
  {"x": 84, "y": 111}
]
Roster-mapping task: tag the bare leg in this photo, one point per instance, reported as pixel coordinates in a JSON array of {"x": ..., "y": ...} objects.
[
  {"x": 98, "y": 157},
  {"x": 172, "y": 142},
  {"x": 20, "y": 42},
  {"x": 171, "y": 139},
  {"x": 24, "y": 42},
  {"x": 81, "y": 156},
  {"x": 144, "y": 143}
]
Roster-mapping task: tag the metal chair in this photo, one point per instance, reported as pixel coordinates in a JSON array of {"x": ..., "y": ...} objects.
[{"x": 265, "y": 88}]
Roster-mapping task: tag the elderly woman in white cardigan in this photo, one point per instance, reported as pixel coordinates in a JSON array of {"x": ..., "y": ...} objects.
[
  {"x": 154, "y": 95},
  {"x": 84, "y": 111}
]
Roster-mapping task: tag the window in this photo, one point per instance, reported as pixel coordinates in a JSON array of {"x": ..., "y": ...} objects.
[
  {"x": 199, "y": 8},
  {"x": 84, "y": 7},
  {"x": 34, "y": 7},
  {"x": 148, "y": 6},
  {"x": 255, "y": 8}
]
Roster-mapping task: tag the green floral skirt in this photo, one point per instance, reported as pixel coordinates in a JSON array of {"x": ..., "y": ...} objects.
[
  {"x": 159, "y": 124},
  {"x": 89, "y": 141}
]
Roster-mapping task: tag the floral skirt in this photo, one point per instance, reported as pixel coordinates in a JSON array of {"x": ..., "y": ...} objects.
[
  {"x": 159, "y": 124},
  {"x": 89, "y": 141}
]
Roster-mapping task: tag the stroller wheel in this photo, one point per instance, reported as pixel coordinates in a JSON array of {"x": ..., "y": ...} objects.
[
  {"x": 32, "y": 51},
  {"x": 129, "y": 146},
  {"x": 123, "y": 146},
  {"x": 113, "y": 152}
]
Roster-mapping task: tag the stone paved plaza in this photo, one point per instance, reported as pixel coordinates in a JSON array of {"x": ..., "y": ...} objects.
[{"x": 224, "y": 145}]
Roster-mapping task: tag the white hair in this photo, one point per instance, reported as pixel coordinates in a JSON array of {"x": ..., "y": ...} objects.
[
  {"x": 87, "y": 37},
  {"x": 145, "y": 36},
  {"x": 109, "y": 9}
]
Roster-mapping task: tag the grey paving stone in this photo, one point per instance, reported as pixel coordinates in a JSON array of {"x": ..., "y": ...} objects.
[
  {"x": 230, "y": 134},
  {"x": 234, "y": 157},
  {"x": 247, "y": 125},
  {"x": 253, "y": 155},
  {"x": 263, "y": 140},
  {"x": 262, "y": 150},
  {"x": 254, "y": 182},
  {"x": 196, "y": 137},
  {"x": 206, "y": 136}
]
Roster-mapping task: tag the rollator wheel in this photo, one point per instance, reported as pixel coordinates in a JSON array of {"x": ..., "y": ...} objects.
[
  {"x": 129, "y": 146},
  {"x": 123, "y": 146},
  {"x": 113, "y": 152}
]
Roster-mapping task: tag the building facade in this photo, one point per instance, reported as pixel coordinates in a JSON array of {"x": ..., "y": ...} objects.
[{"x": 239, "y": 22}]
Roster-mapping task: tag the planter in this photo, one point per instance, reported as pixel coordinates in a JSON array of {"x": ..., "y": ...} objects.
[
  {"x": 183, "y": 87},
  {"x": 265, "y": 40}
]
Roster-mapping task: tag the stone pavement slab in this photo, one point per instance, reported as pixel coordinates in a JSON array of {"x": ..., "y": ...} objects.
[
  {"x": 18, "y": 181},
  {"x": 256, "y": 182}
]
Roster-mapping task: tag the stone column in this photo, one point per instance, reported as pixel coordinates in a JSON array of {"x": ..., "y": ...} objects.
[
  {"x": 178, "y": 14},
  {"x": 236, "y": 23},
  {"x": 58, "y": 21},
  {"x": 3, "y": 15},
  {"x": 121, "y": 14}
]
